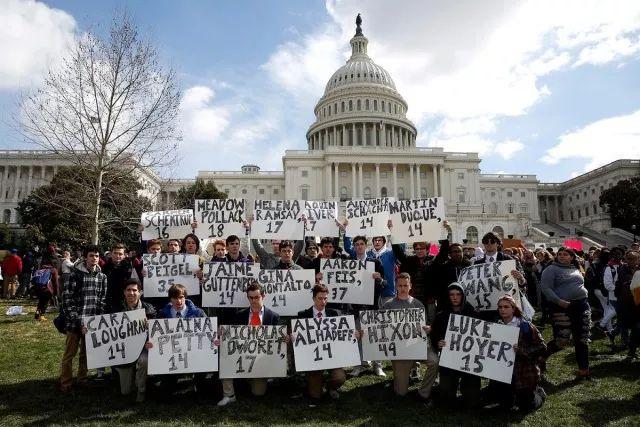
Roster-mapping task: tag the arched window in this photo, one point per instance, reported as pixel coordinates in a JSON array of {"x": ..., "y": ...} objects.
[
  {"x": 6, "y": 216},
  {"x": 383, "y": 192},
  {"x": 375, "y": 105},
  {"x": 383, "y": 106},
  {"x": 343, "y": 106},
  {"x": 350, "y": 105},
  {"x": 472, "y": 235},
  {"x": 359, "y": 105},
  {"x": 343, "y": 194},
  {"x": 366, "y": 104},
  {"x": 499, "y": 231},
  {"x": 400, "y": 193},
  {"x": 366, "y": 193}
]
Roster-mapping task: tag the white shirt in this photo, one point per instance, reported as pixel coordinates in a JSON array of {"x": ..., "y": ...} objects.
[
  {"x": 490, "y": 257},
  {"x": 315, "y": 313}
]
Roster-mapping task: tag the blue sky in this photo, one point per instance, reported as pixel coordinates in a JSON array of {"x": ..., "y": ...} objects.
[{"x": 536, "y": 87}]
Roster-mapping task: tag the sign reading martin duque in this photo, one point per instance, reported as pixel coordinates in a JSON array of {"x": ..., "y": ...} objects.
[
  {"x": 394, "y": 334},
  {"x": 253, "y": 351},
  {"x": 349, "y": 281},
  {"x": 368, "y": 217},
  {"x": 485, "y": 284},
  {"x": 163, "y": 270},
  {"x": 219, "y": 218},
  {"x": 166, "y": 224},
  {"x": 416, "y": 220},
  {"x": 277, "y": 219}
]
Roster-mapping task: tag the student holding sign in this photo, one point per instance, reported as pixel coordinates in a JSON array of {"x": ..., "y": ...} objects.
[{"x": 269, "y": 261}]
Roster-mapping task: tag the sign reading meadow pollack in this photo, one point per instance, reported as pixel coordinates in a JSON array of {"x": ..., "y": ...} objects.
[
  {"x": 253, "y": 351},
  {"x": 321, "y": 218},
  {"x": 368, "y": 217},
  {"x": 287, "y": 291},
  {"x": 350, "y": 281},
  {"x": 277, "y": 219},
  {"x": 166, "y": 224},
  {"x": 219, "y": 218},
  {"x": 417, "y": 220},
  {"x": 225, "y": 283},
  {"x": 480, "y": 348},
  {"x": 115, "y": 339},
  {"x": 325, "y": 343},
  {"x": 484, "y": 284},
  {"x": 163, "y": 270},
  {"x": 183, "y": 345},
  {"x": 394, "y": 334}
]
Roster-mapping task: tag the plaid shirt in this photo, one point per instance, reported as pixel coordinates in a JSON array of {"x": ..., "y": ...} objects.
[
  {"x": 526, "y": 373},
  {"x": 83, "y": 295}
]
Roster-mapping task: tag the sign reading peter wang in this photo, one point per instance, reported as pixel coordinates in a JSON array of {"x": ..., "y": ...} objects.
[
  {"x": 325, "y": 343},
  {"x": 219, "y": 218},
  {"x": 368, "y": 217},
  {"x": 163, "y": 270},
  {"x": 277, "y": 219},
  {"x": 253, "y": 351},
  {"x": 394, "y": 334},
  {"x": 480, "y": 348},
  {"x": 166, "y": 224},
  {"x": 183, "y": 345},
  {"x": 115, "y": 339},
  {"x": 287, "y": 291},
  {"x": 350, "y": 281},
  {"x": 225, "y": 283},
  {"x": 485, "y": 284},
  {"x": 416, "y": 220}
]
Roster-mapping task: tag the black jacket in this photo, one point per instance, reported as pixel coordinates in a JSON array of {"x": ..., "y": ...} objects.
[
  {"x": 269, "y": 318},
  {"x": 439, "y": 325},
  {"x": 308, "y": 313}
]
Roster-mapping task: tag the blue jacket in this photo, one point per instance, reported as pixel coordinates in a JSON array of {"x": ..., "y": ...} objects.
[
  {"x": 388, "y": 261},
  {"x": 192, "y": 311}
]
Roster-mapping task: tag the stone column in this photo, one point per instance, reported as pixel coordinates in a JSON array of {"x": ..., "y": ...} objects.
[
  {"x": 360, "y": 186},
  {"x": 344, "y": 136},
  {"x": 335, "y": 135},
  {"x": 383, "y": 134},
  {"x": 336, "y": 175},
  {"x": 5, "y": 183},
  {"x": 364, "y": 134},
  {"x": 374, "y": 135},
  {"x": 16, "y": 182},
  {"x": 29, "y": 183},
  {"x": 378, "y": 180},
  {"x": 418, "y": 192},
  {"x": 411, "y": 182},
  {"x": 435, "y": 180},
  {"x": 395, "y": 180},
  {"x": 327, "y": 181},
  {"x": 353, "y": 181}
]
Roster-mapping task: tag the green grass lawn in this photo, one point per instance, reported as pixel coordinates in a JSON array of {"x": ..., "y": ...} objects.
[{"x": 31, "y": 351}]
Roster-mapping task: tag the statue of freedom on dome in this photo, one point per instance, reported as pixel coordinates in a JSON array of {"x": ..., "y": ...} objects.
[{"x": 358, "y": 23}]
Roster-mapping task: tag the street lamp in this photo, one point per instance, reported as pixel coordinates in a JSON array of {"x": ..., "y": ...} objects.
[
  {"x": 483, "y": 208},
  {"x": 457, "y": 207}
]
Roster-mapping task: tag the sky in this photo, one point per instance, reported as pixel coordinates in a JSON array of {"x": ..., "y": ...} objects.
[{"x": 535, "y": 87}]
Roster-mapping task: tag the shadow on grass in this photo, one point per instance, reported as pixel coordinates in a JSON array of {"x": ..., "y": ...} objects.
[{"x": 604, "y": 411}]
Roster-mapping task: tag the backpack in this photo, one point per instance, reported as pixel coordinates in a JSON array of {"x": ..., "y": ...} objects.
[{"x": 41, "y": 279}]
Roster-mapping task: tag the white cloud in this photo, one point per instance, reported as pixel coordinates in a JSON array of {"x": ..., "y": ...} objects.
[
  {"x": 202, "y": 122},
  {"x": 33, "y": 37},
  {"x": 507, "y": 149},
  {"x": 600, "y": 142}
]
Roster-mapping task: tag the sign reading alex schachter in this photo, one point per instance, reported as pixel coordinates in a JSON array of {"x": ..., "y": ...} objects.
[
  {"x": 287, "y": 291},
  {"x": 219, "y": 218},
  {"x": 416, "y": 220},
  {"x": 325, "y": 343},
  {"x": 115, "y": 339},
  {"x": 253, "y": 351},
  {"x": 163, "y": 270},
  {"x": 321, "y": 218},
  {"x": 277, "y": 219},
  {"x": 225, "y": 283},
  {"x": 349, "y": 281},
  {"x": 183, "y": 345},
  {"x": 485, "y": 284},
  {"x": 480, "y": 348},
  {"x": 166, "y": 224},
  {"x": 367, "y": 217},
  {"x": 394, "y": 334}
]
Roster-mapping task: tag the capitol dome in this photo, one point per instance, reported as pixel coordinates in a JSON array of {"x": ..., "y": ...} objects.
[{"x": 361, "y": 106}]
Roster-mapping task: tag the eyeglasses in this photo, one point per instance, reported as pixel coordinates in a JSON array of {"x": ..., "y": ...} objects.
[{"x": 489, "y": 242}]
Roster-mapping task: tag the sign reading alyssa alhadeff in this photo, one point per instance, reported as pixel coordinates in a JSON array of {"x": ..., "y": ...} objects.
[
  {"x": 183, "y": 345},
  {"x": 485, "y": 284},
  {"x": 321, "y": 218},
  {"x": 225, "y": 283},
  {"x": 277, "y": 219},
  {"x": 166, "y": 224},
  {"x": 396, "y": 334},
  {"x": 368, "y": 217},
  {"x": 416, "y": 220},
  {"x": 219, "y": 218},
  {"x": 350, "y": 281},
  {"x": 253, "y": 351},
  {"x": 163, "y": 270},
  {"x": 480, "y": 348},
  {"x": 115, "y": 339}
]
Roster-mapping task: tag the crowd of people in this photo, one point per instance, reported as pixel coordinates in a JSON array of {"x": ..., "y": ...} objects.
[{"x": 572, "y": 290}]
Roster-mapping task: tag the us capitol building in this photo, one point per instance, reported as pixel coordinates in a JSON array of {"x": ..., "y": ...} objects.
[{"x": 362, "y": 146}]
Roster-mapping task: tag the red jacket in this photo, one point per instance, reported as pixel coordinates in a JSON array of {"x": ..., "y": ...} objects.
[{"x": 11, "y": 265}]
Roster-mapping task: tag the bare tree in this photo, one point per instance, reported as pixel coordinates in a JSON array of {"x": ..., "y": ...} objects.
[{"x": 111, "y": 106}]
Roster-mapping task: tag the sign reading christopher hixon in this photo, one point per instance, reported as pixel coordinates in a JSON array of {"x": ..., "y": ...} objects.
[
  {"x": 287, "y": 291},
  {"x": 325, "y": 343},
  {"x": 163, "y": 270},
  {"x": 183, "y": 345},
  {"x": 115, "y": 339},
  {"x": 253, "y": 351},
  {"x": 166, "y": 224},
  {"x": 349, "y": 281},
  {"x": 225, "y": 283},
  {"x": 277, "y": 219},
  {"x": 368, "y": 217},
  {"x": 321, "y": 218},
  {"x": 416, "y": 220},
  {"x": 219, "y": 218},
  {"x": 484, "y": 284},
  {"x": 480, "y": 348},
  {"x": 394, "y": 334}
]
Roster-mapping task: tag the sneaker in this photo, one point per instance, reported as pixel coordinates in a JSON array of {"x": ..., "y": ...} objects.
[
  {"x": 414, "y": 375},
  {"x": 334, "y": 394},
  {"x": 355, "y": 372},
  {"x": 42, "y": 318},
  {"x": 377, "y": 370},
  {"x": 226, "y": 400}
]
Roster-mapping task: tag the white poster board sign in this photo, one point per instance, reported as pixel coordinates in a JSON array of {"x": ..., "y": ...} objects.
[
  {"x": 225, "y": 283},
  {"x": 253, "y": 351},
  {"x": 350, "y": 281},
  {"x": 181, "y": 346},
  {"x": 326, "y": 343},
  {"x": 417, "y": 220},
  {"x": 480, "y": 348},
  {"x": 287, "y": 291},
  {"x": 219, "y": 218},
  {"x": 394, "y": 334},
  {"x": 485, "y": 284},
  {"x": 367, "y": 217},
  {"x": 277, "y": 219},
  {"x": 166, "y": 224},
  {"x": 321, "y": 218},
  {"x": 163, "y": 270},
  {"x": 115, "y": 339}
]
